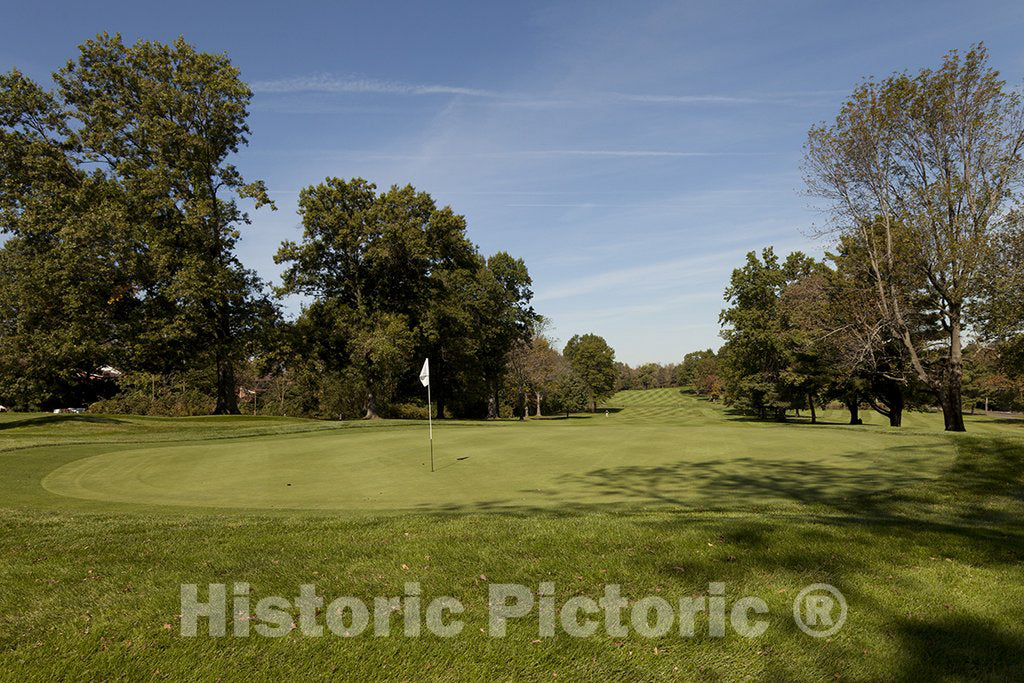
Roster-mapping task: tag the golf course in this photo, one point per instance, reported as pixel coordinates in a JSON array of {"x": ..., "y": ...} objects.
[
  {"x": 659, "y": 491},
  {"x": 461, "y": 341}
]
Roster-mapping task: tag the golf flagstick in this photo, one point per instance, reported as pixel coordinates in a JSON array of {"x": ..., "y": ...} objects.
[{"x": 425, "y": 379}]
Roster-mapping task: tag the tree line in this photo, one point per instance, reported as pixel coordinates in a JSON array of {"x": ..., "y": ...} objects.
[
  {"x": 123, "y": 288},
  {"x": 918, "y": 303}
]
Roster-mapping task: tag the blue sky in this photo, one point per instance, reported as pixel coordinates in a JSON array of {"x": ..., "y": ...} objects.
[{"x": 630, "y": 152}]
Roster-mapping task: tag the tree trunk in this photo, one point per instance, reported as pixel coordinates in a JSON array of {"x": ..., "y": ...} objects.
[
  {"x": 890, "y": 393},
  {"x": 853, "y": 405},
  {"x": 952, "y": 409},
  {"x": 810, "y": 403},
  {"x": 371, "y": 407},
  {"x": 227, "y": 392},
  {"x": 492, "y": 406},
  {"x": 895, "y": 399},
  {"x": 951, "y": 400},
  {"x": 538, "y": 403}
]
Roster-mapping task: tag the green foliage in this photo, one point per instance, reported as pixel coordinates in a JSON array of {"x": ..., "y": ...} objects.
[
  {"x": 758, "y": 342},
  {"x": 593, "y": 361},
  {"x": 993, "y": 376},
  {"x": 186, "y": 394},
  {"x": 165, "y": 118},
  {"x": 64, "y": 298},
  {"x": 999, "y": 313},
  {"x": 701, "y": 370},
  {"x": 117, "y": 190},
  {"x": 568, "y": 394},
  {"x": 535, "y": 368},
  {"x": 919, "y": 169},
  {"x": 393, "y": 280},
  {"x": 503, "y": 320},
  {"x": 646, "y": 376}
]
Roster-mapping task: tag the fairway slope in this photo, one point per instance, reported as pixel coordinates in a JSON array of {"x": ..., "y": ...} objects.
[
  {"x": 104, "y": 520},
  {"x": 652, "y": 449}
]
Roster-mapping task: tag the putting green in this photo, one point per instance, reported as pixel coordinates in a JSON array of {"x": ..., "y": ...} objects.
[{"x": 657, "y": 448}]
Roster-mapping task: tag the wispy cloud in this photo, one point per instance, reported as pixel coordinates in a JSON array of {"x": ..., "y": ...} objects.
[
  {"x": 702, "y": 276},
  {"x": 792, "y": 97},
  {"x": 686, "y": 99},
  {"x": 629, "y": 153},
  {"x": 517, "y": 154},
  {"x": 333, "y": 84},
  {"x": 609, "y": 205},
  {"x": 326, "y": 83},
  {"x": 664, "y": 274},
  {"x": 660, "y": 306}
]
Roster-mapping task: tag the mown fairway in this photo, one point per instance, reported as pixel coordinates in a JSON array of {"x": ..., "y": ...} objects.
[
  {"x": 104, "y": 517},
  {"x": 662, "y": 448}
]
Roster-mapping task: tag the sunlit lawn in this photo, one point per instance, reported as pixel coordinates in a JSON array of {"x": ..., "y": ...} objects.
[{"x": 105, "y": 517}]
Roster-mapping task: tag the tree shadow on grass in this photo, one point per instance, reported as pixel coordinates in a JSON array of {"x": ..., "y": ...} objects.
[
  {"x": 870, "y": 542},
  {"x": 60, "y": 418},
  {"x": 963, "y": 646},
  {"x": 929, "y": 647},
  {"x": 737, "y": 483},
  {"x": 554, "y": 418},
  {"x": 987, "y": 465},
  {"x": 1015, "y": 421},
  {"x": 733, "y": 415},
  {"x": 806, "y": 515},
  {"x": 890, "y": 486}
]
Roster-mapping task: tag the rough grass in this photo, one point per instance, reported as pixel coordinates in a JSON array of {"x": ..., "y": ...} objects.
[{"x": 921, "y": 531}]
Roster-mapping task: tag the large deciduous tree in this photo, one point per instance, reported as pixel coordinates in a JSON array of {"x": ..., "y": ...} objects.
[
  {"x": 535, "y": 366},
  {"x": 118, "y": 186},
  {"x": 999, "y": 313},
  {"x": 504, "y": 319},
  {"x": 366, "y": 259},
  {"x": 763, "y": 371},
  {"x": 928, "y": 162},
  {"x": 568, "y": 393},
  {"x": 164, "y": 119},
  {"x": 593, "y": 362},
  {"x": 701, "y": 370},
  {"x": 63, "y": 266},
  {"x": 390, "y": 274},
  {"x": 863, "y": 346}
]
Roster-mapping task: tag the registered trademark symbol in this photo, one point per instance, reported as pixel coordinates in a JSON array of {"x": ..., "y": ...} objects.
[{"x": 814, "y": 610}]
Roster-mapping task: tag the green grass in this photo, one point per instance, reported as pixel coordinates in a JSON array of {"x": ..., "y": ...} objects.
[
  {"x": 657, "y": 449},
  {"x": 104, "y": 517}
]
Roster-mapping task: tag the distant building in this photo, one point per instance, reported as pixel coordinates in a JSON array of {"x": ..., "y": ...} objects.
[{"x": 106, "y": 372}]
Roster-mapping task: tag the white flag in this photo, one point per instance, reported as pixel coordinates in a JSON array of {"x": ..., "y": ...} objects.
[{"x": 425, "y": 373}]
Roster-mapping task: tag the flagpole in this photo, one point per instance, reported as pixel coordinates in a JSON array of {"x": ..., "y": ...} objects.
[
  {"x": 430, "y": 426},
  {"x": 425, "y": 380}
]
